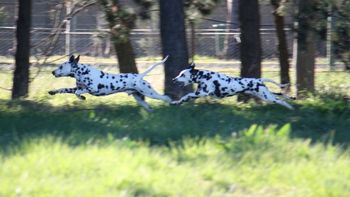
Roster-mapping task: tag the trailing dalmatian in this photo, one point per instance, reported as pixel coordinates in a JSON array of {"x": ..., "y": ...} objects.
[
  {"x": 219, "y": 85},
  {"x": 93, "y": 81}
]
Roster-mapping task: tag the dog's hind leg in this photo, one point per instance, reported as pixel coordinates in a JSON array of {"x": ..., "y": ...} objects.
[
  {"x": 283, "y": 103},
  {"x": 274, "y": 82},
  {"x": 145, "y": 88},
  {"x": 157, "y": 96},
  {"x": 283, "y": 95},
  {"x": 140, "y": 101},
  {"x": 266, "y": 95}
]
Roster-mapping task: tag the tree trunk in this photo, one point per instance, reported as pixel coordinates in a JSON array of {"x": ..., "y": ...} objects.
[
  {"x": 305, "y": 57},
  {"x": 21, "y": 73},
  {"x": 120, "y": 28},
  {"x": 126, "y": 57},
  {"x": 250, "y": 40},
  {"x": 282, "y": 46},
  {"x": 173, "y": 37}
]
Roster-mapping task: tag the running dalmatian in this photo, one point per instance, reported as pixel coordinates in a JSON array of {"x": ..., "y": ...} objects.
[
  {"x": 98, "y": 83},
  {"x": 219, "y": 85}
]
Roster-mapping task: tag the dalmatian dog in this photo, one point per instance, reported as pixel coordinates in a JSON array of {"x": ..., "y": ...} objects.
[
  {"x": 219, "y": 85},
  {"x": 98, "y": 83}
]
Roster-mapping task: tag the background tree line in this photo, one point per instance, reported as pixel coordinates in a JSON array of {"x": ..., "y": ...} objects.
[{"x": 178, "y": 15}]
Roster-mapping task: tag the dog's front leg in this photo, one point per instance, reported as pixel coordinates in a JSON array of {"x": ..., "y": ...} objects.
[
  {"x": 189, "y": 96},
  {"x": 63, "y": 90},
  {"x": 80, "y": 91}
]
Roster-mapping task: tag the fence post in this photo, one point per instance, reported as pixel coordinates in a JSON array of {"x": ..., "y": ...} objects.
[
  {"x": 193, "y": 39},
  {"x": 330, "y": 47},
  {"x": 219, "y": 51},
  {"x": 68, "y": 26}
]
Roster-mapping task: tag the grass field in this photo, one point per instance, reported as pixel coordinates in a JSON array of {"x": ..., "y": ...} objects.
[{"x": 109, "y": 146}]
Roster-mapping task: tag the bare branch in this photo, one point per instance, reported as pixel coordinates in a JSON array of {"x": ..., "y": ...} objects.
[{"x": 47, "y": 45}]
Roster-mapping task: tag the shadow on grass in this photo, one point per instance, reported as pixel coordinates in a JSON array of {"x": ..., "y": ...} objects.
[{"x": 329, "y": 116}]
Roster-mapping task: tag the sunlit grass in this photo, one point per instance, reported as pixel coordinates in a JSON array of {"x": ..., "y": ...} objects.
[
  {"x": 42, "y": 81},
  {"x": 256, "y": 162}
]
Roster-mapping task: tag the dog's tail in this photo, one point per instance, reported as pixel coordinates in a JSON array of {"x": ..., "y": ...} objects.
[
  {"x": 153, "y": 66},
  {"x": 274, "y": 82}
]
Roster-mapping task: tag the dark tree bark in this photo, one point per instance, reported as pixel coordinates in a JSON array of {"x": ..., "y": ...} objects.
[
  {"x": 126, "y": 57},
  {"x": 282, "y": 44},
  {"x": 173, "y": 37},
  {"x": 249, "y": 18},
  {"x": 120, "y": 24},
  {"x": 305, "y": 62},
  {"x": 21, "y": 73}
]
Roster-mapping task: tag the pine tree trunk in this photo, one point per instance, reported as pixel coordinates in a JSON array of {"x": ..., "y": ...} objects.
[
  {"x": 173, "y": 37},
  {"x": 21, "y": 73},
  {"x": 250, "y": 40},
  {"x": 305, "y": 62}
]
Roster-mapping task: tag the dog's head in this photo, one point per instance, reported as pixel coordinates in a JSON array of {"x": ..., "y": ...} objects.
[
  {"x": 67, "y": 68},
  {"x": 186, "y": 76}
]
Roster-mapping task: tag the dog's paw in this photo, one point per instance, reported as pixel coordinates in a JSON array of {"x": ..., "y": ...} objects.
[
  {"x": 175, "y": 102},
  {"x": 149, "y": 109},
  {"x": 52, "y": 92},
  {"x": 168, "y": 99},
  {"x": 82, "y": 98},
  {"x": 285, "y": 85}
]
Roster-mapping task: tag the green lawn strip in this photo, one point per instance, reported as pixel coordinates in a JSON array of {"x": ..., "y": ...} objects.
[{"x": 257, "y": 162}]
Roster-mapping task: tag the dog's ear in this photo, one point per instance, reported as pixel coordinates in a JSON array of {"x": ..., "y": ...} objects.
[
  {"x": 191, "y": 66},
  {"x": 76, "y": 60},
  {"x": 71, "y": 59},
  {"x": 193, "y": 71}
]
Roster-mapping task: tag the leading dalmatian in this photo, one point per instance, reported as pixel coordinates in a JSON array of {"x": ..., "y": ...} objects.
[
  {"x": 219, "y": 85},
  {"x": 96, "y": 82}
]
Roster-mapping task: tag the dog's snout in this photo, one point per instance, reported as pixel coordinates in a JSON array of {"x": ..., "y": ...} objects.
[
  {"x": 174, "y": 79},
  {"x": 53, "y": 72}
]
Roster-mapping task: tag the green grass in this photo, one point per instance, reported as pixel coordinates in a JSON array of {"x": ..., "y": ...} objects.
[
  {"x": 109, "y": 146},
  {"x": 257, "y": 162}
]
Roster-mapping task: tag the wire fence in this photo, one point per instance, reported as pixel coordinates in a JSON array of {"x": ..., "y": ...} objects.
[{"x": 208, "y": 42}]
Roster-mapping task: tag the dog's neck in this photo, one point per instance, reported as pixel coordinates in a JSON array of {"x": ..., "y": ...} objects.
[
  {"x": 198, "y": 75},
  {"x": 194, "y": 75},
  {"x": 80, "y": 69}
]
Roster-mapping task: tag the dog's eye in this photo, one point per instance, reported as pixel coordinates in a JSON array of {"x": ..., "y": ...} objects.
[{"x": 61, "y": 67}]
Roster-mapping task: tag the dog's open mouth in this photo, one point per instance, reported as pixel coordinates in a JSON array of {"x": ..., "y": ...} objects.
[
  {"x": 179, "y": 83},
  {"x": 61, "y": 75}
]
